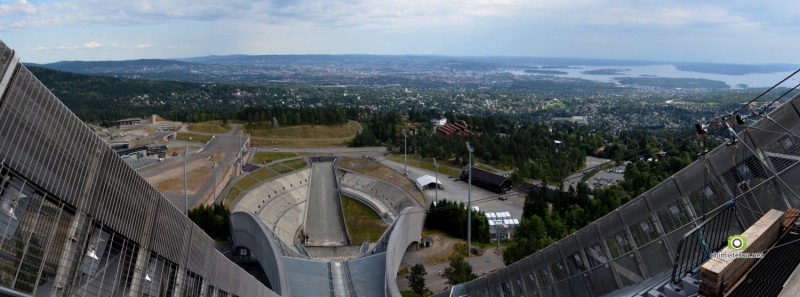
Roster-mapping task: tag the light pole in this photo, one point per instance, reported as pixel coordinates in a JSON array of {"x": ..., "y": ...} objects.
[
  {"x": 214, "y": 169},
  {"x": 437, "y": 181},
  {"x": 469, "y": 203},
  {"x": 185, "y": 196},
  {"x": 405, "y": 153},
  {"x": 239, "y": 148}
]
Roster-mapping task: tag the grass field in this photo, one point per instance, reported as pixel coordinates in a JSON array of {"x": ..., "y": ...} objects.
[
  {"x": 362, "y": 222},
  {"x": 232, "y": 194},
  {"x": 260, "y": 157},
  {"x": 209, "y": 127},
  {"x": 264, "y": 173},
  {"x": 306, "y": 131},
  {"x": 296, "y": 164},
  {"x": 304, "y": 136},
  {"x": 246, "y": 182},
  {"x": 444, "y": 167},
  {"x": 301, "y": 142},
  {"x": 184, "y": 136}
]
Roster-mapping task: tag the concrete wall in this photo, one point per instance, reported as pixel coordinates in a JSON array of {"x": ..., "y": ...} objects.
[{"x": 248, "y": 231}]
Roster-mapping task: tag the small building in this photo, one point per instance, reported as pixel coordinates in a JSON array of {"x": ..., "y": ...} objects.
[
  {"x": 438, "y": 120},
  {"x": 501, "y": 225},
  {"x": 459, "y": 128},
  {"x": 157, "y": 149},
  {"x": 427, "y": 182},
  {"x": 488, "y": 180},
  {"x": 427, "y": 241},
  {"x": 129, "y": 122},
  {"x": 118, "y": 145},
  {"x": 165, "y": 126}
]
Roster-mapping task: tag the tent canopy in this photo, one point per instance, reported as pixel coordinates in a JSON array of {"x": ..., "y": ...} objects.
[{"x": 427, "y": 181}]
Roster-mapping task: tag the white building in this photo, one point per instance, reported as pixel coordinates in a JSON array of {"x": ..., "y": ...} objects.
[{"x": 438, "y": 120}]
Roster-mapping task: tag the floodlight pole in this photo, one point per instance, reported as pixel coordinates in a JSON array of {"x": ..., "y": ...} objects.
[
  {"x": 405, "y": 153},
  {"x": 469, "y": 203},
  {"x": 214, "y": 169},
  {"x": 185, "y": 196},
  {"x": 436, "y": 184},
  {"x": 240, "y": 155}
]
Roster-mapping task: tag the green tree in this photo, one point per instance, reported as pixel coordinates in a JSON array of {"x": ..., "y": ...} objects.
[
  {"x": 212, "y": 219},
  {"x": 416, "y": 280},
  {"x": 459, "y": 270}
]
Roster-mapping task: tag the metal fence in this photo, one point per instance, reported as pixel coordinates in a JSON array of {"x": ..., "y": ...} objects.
[
  {"x": 640, "y": 240},
  {"x": 696, "y": 246},
  {"x": 76, "y": 220}
]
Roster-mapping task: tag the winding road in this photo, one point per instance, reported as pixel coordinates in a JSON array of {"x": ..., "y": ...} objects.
[{"x": 226, "y": 143}]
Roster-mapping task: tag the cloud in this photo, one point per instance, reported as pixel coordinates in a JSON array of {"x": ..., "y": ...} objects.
[
  {"x": 17, "y": 7},
  {"x": 598, "y": 28},
  {"x": 380, "y": 15},
  {"x": 92, "y": 44},
  {"x": 39, "y": 48}
]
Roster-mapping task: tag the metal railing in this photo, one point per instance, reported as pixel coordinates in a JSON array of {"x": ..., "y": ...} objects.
[{"x": 697, "y": 245}]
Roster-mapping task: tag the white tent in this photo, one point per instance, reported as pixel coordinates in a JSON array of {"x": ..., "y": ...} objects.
[{"x": 426, "y": 181}]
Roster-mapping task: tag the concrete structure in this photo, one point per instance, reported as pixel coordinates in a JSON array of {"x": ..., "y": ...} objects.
[
  {"x": 376, "y": 191},
  {"x": 279, "y": 203},
  {"x": 124, "y": 123},
  {"x": 77, "y": 220},
  {"x": 634, "y": 250}
]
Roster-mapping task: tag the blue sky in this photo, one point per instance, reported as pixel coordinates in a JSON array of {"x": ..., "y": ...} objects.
[{"x": 735, "y": 31}]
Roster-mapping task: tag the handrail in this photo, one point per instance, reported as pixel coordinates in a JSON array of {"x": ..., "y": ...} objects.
[{"x": 698, "y": 244}]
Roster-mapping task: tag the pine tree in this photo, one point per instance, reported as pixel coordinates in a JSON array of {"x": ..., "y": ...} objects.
[
  {"x": 416, "y": 280},
  {"x": 459, "y": 270}
]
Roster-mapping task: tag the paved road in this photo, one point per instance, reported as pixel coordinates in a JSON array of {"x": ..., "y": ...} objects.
[
  {"x": 435, "y": 281},
  {"x": 226, "y": 143},
  {"x": 358, "y": 127},
  {"x": 324, "y": 224}
]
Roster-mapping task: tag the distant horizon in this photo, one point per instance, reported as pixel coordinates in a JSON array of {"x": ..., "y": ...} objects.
[
  {"x": 651, "y": 62},
  {"x": 735, "y": 32}
]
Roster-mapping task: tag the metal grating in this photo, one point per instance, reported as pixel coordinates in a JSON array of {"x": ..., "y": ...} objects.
[{"x": 75, "y": 220}]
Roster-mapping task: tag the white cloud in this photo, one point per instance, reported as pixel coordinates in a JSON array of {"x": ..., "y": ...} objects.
[
  {"x": 92, "y": 44},
  {"x": 597, "y": 28},
  {"x": 17, "y": 7},
  {"x": 39, "y": 48}
]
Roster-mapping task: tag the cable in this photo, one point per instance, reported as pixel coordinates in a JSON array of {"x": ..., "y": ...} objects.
[
  {"x": 767, "y": 91},
  {"x": 776, "y": 99}
]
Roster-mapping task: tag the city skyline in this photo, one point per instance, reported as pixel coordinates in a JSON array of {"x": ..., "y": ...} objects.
[{"x": 730, "y": 32}]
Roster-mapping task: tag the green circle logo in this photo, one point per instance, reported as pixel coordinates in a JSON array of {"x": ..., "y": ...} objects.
[{"x": 737, "y": 242}]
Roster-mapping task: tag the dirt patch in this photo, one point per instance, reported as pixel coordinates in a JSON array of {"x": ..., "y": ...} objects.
[
  {"x": 194, "y": 179},
  {"x": 177, "y": 173},
  {"x": 440, "y": 250}
]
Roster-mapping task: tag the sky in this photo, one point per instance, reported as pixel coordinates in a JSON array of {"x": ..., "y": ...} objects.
[{"x": 731, "y": 31}]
